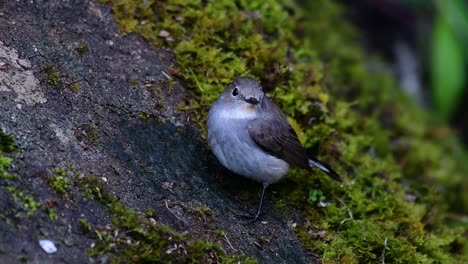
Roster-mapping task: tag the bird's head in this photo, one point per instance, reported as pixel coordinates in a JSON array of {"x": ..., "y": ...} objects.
[{"x": 244, "y": 94}]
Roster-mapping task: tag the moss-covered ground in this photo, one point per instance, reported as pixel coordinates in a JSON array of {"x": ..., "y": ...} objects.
[
  {"x": 134, "y": 238},
  {"x": 7, "y": 144},
  {"x": 403, "y": 172}
]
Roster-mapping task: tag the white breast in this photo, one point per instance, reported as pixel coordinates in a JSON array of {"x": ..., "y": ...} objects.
[{"x": 231, "y": 143}]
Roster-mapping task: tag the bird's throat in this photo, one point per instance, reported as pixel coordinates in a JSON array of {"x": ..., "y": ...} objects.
[{"x": 246, "y": 111}]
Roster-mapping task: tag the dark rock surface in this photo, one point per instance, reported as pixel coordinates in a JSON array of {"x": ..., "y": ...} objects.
[{"x": 72, "y": 93}]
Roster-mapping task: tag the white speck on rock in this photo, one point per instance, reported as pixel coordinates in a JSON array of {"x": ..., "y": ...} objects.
[
  {"x": 164, "y": 34},
  {"x": 48, "y": 246},
  {"x": 324, "y": 204},
  {"x": 62, "y": 135}
]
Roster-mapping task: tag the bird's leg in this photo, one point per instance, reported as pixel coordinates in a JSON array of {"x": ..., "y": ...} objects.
[{"x": 265, "y": 185}]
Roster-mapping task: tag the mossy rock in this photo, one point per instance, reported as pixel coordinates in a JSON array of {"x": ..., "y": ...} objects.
[{"x": 402, "y": 171}]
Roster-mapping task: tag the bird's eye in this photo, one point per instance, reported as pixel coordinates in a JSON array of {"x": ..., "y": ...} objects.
[{"x": 235, "y": 92}]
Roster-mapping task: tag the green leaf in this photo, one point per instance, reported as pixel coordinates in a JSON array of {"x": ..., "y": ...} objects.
[{"x": 447, "y": 69}]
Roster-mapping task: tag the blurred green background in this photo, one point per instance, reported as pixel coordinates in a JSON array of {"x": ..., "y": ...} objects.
[{"x": 426, "y": 40}]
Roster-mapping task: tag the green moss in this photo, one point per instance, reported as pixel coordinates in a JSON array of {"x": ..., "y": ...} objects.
[
  {"x": 144, "y": 115},
  {"x": 130, "y": 237},
  {"x": 75, "y": 87},
  {"x": 85, "y": 225},
  {"x": 7, "y": 144},
  {"x": 133, "y": 81},
  {"x": 133, "y": 239},
  {"x": 59, "y": 182},
  {"x": 4, "y": 163},
  {"x": 25, "y": 200},
  {"x": 316, "y": 196},
  {"x": 81, "y": 48},
  {"x": 401, "y": 171},
  {"x": 203, "y": 211},
  {"x": 150, "y": 213},
  {"x": 220, "y": 233},
  {"x": 51, "y": 213},
  {"x": 91, "y": 189},
  {"x": 52, "y": 75},
  {"x": 5, "y": 175}
]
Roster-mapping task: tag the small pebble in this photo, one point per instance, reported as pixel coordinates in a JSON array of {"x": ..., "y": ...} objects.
[
  {"x": 164, "y": 34},
  {"x": 48, "y": 246},
  {"x": 324, "y": 204}
]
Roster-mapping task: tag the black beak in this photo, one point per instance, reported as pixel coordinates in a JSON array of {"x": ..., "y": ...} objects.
[{"x": 252, "y": 100}]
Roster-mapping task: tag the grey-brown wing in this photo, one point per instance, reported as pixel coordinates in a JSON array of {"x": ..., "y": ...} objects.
[{"x": 272, "y": 133}]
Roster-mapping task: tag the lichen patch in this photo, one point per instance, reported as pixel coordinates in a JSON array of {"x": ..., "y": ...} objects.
[{"x": 17, "y": 78}]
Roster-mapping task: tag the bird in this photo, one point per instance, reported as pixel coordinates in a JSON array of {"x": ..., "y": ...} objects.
[{"x": 251, "y": 136}]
